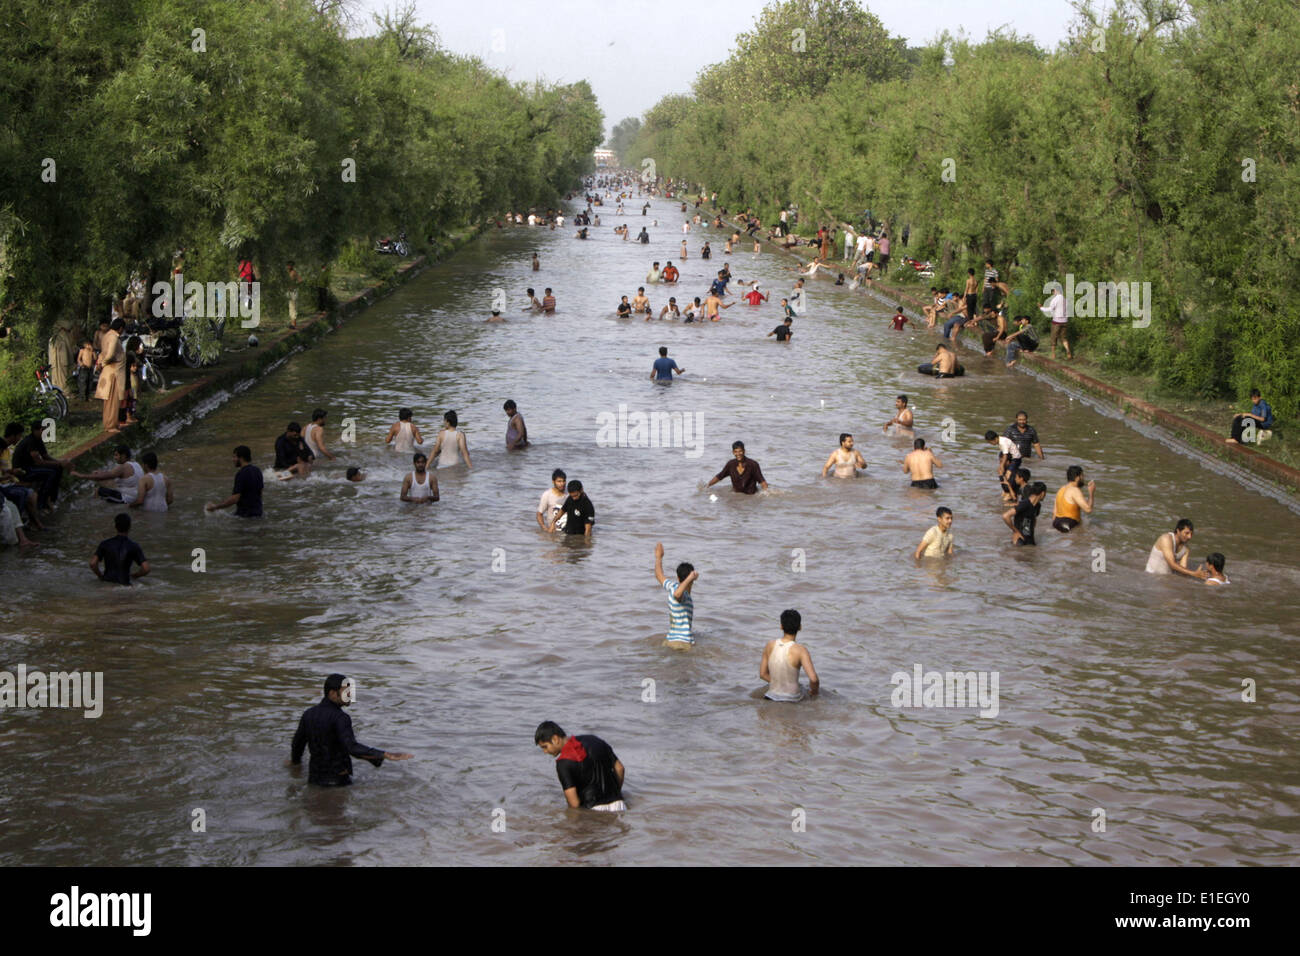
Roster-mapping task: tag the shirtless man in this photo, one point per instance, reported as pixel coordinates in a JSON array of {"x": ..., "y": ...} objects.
[
  {"x": 931, "y": 311},
  {"x": 1070, "y": 500},
  {"x": 516, "y": 430},
  {"x": 299, "y": 469},
  {"x": 919, "y": 463},
  {"x": 712, "y": 304},
  {"x": 1169, "y": 553},
  {"x": 902, "y": 420},
  {"x": 972, "y": 296},
  {"x": 1214, "y": 569},
  {"x": 496, "y": 316},
  {"x": 640, "y": 303},
  {"x": 420, "y": 486},
  {"x": 943, "y": 365},
  {"x": 845, "y": 459}
]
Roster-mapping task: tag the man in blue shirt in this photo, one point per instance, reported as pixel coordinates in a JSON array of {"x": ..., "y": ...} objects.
[
  {"x": 664, "y": 367},
  {"x": 1260, "y": 415}
]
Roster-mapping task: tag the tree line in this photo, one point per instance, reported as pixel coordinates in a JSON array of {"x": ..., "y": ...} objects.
[
  {"x": 133, "y": 129},
  {"x": 1158, "y": 144}
]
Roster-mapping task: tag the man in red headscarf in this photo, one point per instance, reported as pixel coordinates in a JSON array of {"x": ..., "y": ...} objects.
[{"x": 590, "y": 773}]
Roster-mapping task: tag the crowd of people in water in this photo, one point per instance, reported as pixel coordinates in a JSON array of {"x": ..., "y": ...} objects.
[{"x": 589, "y": 771}]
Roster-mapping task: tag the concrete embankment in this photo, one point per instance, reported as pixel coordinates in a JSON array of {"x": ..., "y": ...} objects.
[
  {"x": 170, "y": 412},
  {"x": 1058, "y": 374}
]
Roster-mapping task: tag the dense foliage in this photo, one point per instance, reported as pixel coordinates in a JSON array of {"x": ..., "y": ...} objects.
[
  {"x": 1159, "y": 144},
  {"x": 130, "y": 129}
]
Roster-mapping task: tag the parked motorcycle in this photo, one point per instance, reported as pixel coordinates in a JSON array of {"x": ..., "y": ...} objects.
[
  {"x": 48, "y": 398},
  {"x": 923, "y": 269},
  {"x": 188, "y": 348},
  {"x": 393, "y": 247},
  {"x": 148, "y": 349},
  {"x": 165, "y": 340}
]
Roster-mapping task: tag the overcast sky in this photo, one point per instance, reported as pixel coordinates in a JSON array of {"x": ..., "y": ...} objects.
[{"x": 635, "y": 52}]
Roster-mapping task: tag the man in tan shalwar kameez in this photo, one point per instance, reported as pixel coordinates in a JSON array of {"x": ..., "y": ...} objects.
[{"x": 112, "y": 380}]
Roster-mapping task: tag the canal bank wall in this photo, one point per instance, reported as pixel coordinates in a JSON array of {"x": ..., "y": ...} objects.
[
  {"x": 1060, "y": 375},
  {"x": 179, "y": 407}
]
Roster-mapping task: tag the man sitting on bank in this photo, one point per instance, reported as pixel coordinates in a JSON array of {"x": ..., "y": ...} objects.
[{"x": 1258, "y": 419}]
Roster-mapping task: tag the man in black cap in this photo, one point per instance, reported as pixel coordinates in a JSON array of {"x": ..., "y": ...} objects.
[{"x": 327, "y": 730}]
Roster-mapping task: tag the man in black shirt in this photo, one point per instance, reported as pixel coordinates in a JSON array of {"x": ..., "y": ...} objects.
[
  {"x": 247, "y": 493},
  {"x": 590, "y": 773},
  {"x": 744, "y": 472},
  {"x": 32, "y": 458},
  {"x": 784, "y": 331},
  {"x": 288, "y": 445},
  {"x": 1022, "y": 518},
  {"x": 118, "y": 554},
  {"x": 579, "y": 509},
  {"x": 327, "y": 730}
]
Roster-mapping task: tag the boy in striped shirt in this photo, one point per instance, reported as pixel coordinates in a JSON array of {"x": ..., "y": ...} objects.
[{"x": 681, "y": 609}]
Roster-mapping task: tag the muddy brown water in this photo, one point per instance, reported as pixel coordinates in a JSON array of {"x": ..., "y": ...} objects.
[{"x": 464, "y": 625}]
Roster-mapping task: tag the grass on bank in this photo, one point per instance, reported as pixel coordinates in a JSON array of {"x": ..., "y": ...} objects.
[
  {"x": 357, "y": 269},
  {"x": 1215, "y": 414}
]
